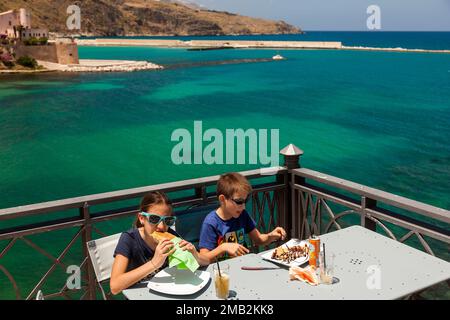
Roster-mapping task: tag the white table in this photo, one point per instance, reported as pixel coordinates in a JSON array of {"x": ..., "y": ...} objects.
[{"x": 402, "y": 270}]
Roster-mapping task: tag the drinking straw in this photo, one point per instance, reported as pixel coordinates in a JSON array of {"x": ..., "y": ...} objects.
[{"x": 218, "y": 268}]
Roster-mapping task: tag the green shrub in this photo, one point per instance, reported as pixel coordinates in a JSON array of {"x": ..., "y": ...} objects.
[
  {"x": 8, "y": 64},
  {"x": 27, "y": 62},
  {"x": 43, "y": 41},
  {"x": 33, "y": 41}
]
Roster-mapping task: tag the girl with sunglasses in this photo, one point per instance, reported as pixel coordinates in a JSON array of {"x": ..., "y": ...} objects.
[{"x": 138, "y": 255}]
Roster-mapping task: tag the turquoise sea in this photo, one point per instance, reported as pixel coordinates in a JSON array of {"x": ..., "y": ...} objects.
[{"x": 376, "y": 118}]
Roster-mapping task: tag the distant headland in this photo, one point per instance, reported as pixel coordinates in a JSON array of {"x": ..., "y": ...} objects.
[{"x": 143, "y": 17}]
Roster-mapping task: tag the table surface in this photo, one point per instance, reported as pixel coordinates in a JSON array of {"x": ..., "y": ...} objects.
[{"x": 400, "y": 271}]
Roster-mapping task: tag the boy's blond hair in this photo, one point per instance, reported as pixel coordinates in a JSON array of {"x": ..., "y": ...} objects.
[{"x": 231, "y": 183}]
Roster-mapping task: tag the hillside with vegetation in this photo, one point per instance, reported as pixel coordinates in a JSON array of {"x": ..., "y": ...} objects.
[{"x": 143, "y": 17}]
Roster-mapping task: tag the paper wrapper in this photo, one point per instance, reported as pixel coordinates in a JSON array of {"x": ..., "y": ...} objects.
[
  {"x": 307, "y": 275},
  {"x": 182, "y": 259}
]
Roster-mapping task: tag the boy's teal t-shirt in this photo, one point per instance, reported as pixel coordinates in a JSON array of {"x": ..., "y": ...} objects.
[{"x": 216, "y": 231}]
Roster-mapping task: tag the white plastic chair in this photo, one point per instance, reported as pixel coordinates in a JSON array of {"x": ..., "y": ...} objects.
[
  {"x": 40, "y": 295},
  {"x": 101, "y": 252}
]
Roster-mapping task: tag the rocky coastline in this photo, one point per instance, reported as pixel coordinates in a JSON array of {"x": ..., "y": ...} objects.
[{"x": 88, "y": 65}]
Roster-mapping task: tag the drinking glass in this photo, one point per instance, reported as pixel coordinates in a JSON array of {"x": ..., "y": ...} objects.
[{"x": 222, "y": 280}]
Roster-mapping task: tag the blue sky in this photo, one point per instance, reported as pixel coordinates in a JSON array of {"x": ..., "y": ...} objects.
[{"x": 396, "y": 15}]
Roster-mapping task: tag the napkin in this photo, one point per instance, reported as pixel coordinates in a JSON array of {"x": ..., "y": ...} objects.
[
  {"x": 307, "y": 275},
  {"x": 182, "y": 259}
]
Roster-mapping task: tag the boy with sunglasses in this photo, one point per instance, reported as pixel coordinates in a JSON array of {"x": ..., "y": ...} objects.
[
  {"x": 223, "y": 230},
  {"x": 138, "y": 254}
]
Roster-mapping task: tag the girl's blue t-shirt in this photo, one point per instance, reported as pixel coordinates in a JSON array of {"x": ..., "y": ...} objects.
[
  {"x": 132, "y": 246},
  {"x": 216, "y": 231}
]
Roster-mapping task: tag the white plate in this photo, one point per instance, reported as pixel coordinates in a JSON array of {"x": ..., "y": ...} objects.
[
  {"x": 299, "y": 261},
  {"x": 179, "y": 282}
]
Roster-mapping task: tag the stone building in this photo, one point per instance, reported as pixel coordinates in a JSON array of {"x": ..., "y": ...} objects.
[
  {"x": 62, "y": 52},
  {"x": 12, "y": 19},
  {"x": 34, "y": 33}
]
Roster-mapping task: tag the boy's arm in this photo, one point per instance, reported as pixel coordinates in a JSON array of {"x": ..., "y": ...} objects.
[
  {"x": 210, "y": 249},
  {"x": 233, "y": 250},
  {"x": 211, "y": 255},
  {"x": 208, "y": 239},
  {"x": 261, "y": 239}
]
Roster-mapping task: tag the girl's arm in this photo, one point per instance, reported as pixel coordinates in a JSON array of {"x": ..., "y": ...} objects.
[{"x": 121, "y": 280}]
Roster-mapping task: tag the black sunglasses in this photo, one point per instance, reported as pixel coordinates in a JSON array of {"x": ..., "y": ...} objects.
[{"x": 240, "y": 201}]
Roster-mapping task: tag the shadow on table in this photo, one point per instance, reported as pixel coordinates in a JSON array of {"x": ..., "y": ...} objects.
[{"x": 171, "y": 296}]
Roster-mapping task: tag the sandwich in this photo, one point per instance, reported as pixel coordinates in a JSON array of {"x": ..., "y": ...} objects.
[{"x": 159, "y": 236}]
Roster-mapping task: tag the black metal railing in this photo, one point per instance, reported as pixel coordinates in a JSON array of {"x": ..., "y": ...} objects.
[
  {"x": 302, "y": 201},
  {"x": 314, "y": 204},
  {"x": 268, "y": 199}
]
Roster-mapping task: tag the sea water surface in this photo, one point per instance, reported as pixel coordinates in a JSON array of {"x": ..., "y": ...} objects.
[{"x": 377, "y": 118}]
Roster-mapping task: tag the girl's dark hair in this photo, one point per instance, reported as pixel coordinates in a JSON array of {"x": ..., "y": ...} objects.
[{"x": 151, "y": 199}]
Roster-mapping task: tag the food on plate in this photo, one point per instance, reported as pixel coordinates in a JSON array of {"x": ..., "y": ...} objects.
[
  {"x": 159, "y": 236},
  {"x": 289, "y": 254},
  {"x": 307, "y": 275}
]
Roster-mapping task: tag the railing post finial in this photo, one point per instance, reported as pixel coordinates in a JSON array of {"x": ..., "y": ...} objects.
[{"x": 291, "y": 154}]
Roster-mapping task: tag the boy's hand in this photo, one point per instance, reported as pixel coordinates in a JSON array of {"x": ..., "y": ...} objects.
[
  {"x": 235, "y": 249},
  {"x": 278, "y": 233}
]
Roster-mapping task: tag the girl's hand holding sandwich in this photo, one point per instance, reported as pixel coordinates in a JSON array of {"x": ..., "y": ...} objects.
[{"x": 164, "y": 249}]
